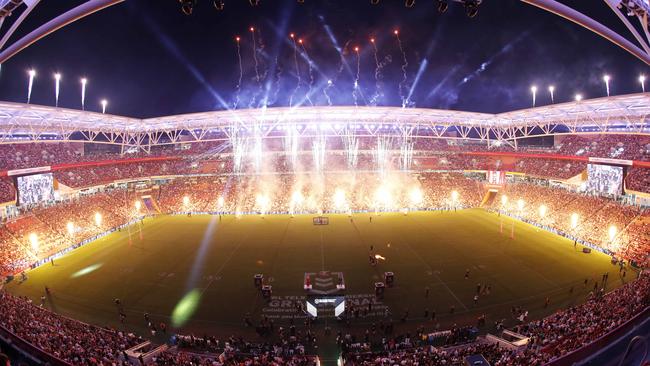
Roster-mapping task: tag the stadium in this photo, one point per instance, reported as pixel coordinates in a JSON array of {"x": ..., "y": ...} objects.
[{"x": 320, "y": 233}]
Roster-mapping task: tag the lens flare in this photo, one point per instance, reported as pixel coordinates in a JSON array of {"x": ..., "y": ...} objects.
[
  {"x": 87, "y": 270},
  {"x": 185, "y": 308}
]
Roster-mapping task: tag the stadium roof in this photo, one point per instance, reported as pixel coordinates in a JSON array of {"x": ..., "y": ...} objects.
[{"x": 617, "y": 114}]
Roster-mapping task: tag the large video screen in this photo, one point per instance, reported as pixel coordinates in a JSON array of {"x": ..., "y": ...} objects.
[
  {"x": 35, "y": 188},
  {"x": 606, "y": 179},
  {"x": 496, "y": 177}
]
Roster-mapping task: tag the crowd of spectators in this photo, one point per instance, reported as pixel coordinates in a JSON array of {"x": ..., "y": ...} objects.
[
  {"x": 577, "y": 326},
  {"x": 69, "y": 340},
  {"x": 185, "y": 158},
  {"x": 47, "y": 230},
  {"x": 91, "y": 176},
  {"x": 7, "y": 190},
  {"x": 549, "y": 338},
  {"x": 628, "y": 147},
  {"x": 593, "y": 219},
  {"x": 288, "y": 350}
]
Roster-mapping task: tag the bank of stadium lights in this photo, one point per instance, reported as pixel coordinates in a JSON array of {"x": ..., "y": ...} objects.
[
  {"x": 98, "y": 219},
  {"x": 642, "y": 82},
  {"x": 606, "y": 79},
  {"x": 187, "y": 6},
  {"x": 84, "y": 81},
  {"x": 551, "y": 90},
  {"x": 471, "y": 6},
  {"x": 542, "y": 210},
  {"x": 442, "y": 6},
  {"x": 104, "y": 102},
  {"x": 578, "y": 97},
  {"x": 533, "y": 90},
  {"x": 31, "y": 73},
  {"x": 138, "y": 205},
  {"x": 520, "y": 204},
  {"x": 186, "y": 200},
  {"x": 57, "y": 82}
]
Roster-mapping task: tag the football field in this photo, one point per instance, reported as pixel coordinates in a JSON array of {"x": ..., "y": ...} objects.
[{"x": 196, "y": 273}]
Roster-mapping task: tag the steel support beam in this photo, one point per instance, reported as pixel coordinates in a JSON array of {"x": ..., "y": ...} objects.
[
  {"x": 577, "y": 17},
  {"x": 53, "y": 25}
]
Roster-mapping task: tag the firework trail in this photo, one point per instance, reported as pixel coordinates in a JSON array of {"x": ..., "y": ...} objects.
[
  {"x": 257, "y": 69},
  {"x": 356, "y": 80},
  {"x": 311, "y": 72},
  {"x": 264, "y": 73},
  {"x": 241, "y": 73},
  {"x": 373, "y": 100},
  {"x": 278, "y": 77},
  {"x": 327, "y": 96},
  {"x": 295, "y": 60},
  {"x": 342, "y": 63},
  {"x": 405, "y": 64},
  {"x": 379, "y": 66}
]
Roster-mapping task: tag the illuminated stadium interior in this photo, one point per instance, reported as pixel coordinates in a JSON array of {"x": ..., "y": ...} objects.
[{"x": 309, "y": 233}]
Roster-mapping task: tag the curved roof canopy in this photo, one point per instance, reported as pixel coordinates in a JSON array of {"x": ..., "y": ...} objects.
[{"x": 617, "y": 114}]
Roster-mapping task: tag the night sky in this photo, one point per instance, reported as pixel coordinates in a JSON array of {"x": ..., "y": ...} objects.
[{"x": 148, "y": 59}]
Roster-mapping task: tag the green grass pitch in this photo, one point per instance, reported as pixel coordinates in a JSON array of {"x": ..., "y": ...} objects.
[{"x": 214, "y": 261}]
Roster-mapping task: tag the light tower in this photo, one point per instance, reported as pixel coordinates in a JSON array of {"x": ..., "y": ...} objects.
[
  {"x": 551, "y": 90},
  {"x": 57, "y": 81},
  {"x": 642, "y": 82},
  {"x": 32, "y": 74},
  {"x": 84, "y": 81},
  {"x": 533, "y": 90}
]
